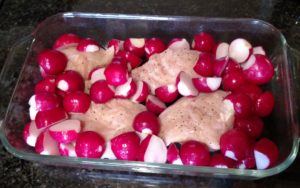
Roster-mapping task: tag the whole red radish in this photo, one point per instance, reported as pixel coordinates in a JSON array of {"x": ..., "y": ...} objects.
[
  {"x": 264, "y": 105},
  {"x": 116, "y": 74},
  {"x": 266, "y": 153},
  {"x": 45, "y": 85},
  {"x": 203, "y": 42},
  {"x": 231, "y": 81},
  {"x": 194, "y": 153},
  {"x": 153, "y": 46},
  {"x": 146, "y": 122},
  {"x": 52, "y": 62},
  {"x": 65, "y": 40},
  {"x": 251, "y": 125},
  {"x": 100, "y": 92},
  {"x": 78, "y": 102},
  {"x": 252, "y": 90}
]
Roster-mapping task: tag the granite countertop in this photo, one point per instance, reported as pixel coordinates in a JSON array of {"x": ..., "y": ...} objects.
[{"x": 18, "y": 18}]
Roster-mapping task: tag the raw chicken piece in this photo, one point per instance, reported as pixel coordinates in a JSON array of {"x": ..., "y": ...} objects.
[
  {"x": 84, "y": 62},
  {"x": 110, "y": 119},
  {"x": 203, "y": 118},
  {"x": 162, "y": 69}
]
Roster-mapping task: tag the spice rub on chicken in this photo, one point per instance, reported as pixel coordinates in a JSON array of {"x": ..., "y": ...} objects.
[
  {"x": 203, "y": 118},
  {"x": 162, "y": 69}
]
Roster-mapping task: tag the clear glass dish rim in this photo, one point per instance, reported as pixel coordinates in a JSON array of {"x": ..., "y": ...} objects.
[{"x": 143, "y": 166}]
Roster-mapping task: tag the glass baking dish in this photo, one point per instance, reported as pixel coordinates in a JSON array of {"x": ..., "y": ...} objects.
[{"x": 281, "y": 126}]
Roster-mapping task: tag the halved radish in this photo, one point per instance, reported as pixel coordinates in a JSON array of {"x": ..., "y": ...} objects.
[
  {"x": 126, "y": 90},
  {"x": 266, "y": 153},
  {"x": 179, "y": 43},
  {"x": 219, "y": 66},
  {"x": 132, "y": 61},
  {"x": 194, "y": 153},
  {"x": 70, "y": 81},
  {"x": 154, "y": 45},
  {"x": 220, "y": 161},
  {"x": 97, "y": 74},
  {"x": 89, "y": 144},
  {"x": 116, "y": 44},
  {"x": 155, "y": 105},
  {"x": 125, "y": 146},
  {"x": 241, "y": 102},
  {"x": 252, "y": 125},
  {"x": 45, "y": 85},
  {"x": 203, "y": 42},
  {"x": 204, "y": 65},
  {"x": 258, "y": 69},
  {"x": 88, "y": 45},
  {"x": 167, "y": 93},
  {"x": 100, "y": 92},
  {"x": 249, "y": 161},
  {"x": 135, "y": 45},
  {"x": 185, "y": 85},
  {"x": 30, "y": 133},
  {"x": 259, "y": 50},
  {"x": 141, "y": 93},
  {"x": 108, "y": 153},
  {"x": 173, "y": 155},
  {"x": 222, "y": 50},
  {"x": 232, "y": 66},
  {"x": 146, "y": 122},
  {"x": 152, "y": 149},
  {"x": 232, "y": 80},
  {"x": 116, "y": 74},
  {"x": 65, "y": 131},
  {"x": 264, "y": 105},
  {"x": 46, "y": 145},
  {"x": 78, "y": 102},
  {"x": 240, "y": 50},
  {"x": 207, "y": 84},
  {"x": 67, "y": 149},
  {"x": 65, "y": 40},
  {"x": 47, "y": 118}
]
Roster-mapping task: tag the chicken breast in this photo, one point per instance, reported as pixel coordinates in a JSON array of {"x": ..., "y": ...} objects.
[
  {"x": 163, "y": 69},
  {"x": 203, "y": 118},
  {"x": 110, "y": 119},
  {"x": 84, "y": 62}
]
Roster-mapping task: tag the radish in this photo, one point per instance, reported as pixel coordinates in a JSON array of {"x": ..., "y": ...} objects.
[
  {"x": 173, "y": 155},
  {"x": 153, "y": 46},
  {"x": 45, "y": 85},
  {"x": 167, "y": 93},
  {"x": 116, "y": 44},
  {"x": 242, "y": 104},
  {"x": 249, "y": 161},
  {"x": 185, "y": 85},
  {"x": 203, "y": 42},
  {"x": 231, "y": 81},
  {"x": 65, "y": 40},
  {"x": 240, "y": 50},
  {"x": 88, "y": 45},
  {"x": 252, "y": 125},
  {"x": 141, "y": 93},
  {"x": 219, "y": 66},
  {"x": 47, "y": 118},
  {"x": 220, "y": 161},
  {"x": 46, "y": 145},
  {"x": 266, "y": 153},
  {"x": 52, "y": 62},
  {"x": 125, "y": 146},
  {"x": 258, "y": 69},
  {"x": 179, "y": 43},
  {"x": 153, "y": 150},
  {"x": 232, "y": 66},
  {"x": 155, "y": 105},
  {"x": 208, "y": 84},
  {"x": 194, "y": 153},
  {"x": 135, "y": 45},
  {"x": 252, "y": 90},
  {"x": 146, "y": 122},
  {"x": 264, "y": 105},
  {"x": 108, "y": 153},
  {"x": 89, "y": 144},
  {"x": 204, "y": 65},
  {"x": 30, "y": 133},
  {"x": 65, "y": 131},
  {"x": 96, "y": 74},
  {"x": 126, "y": 90},
  {"x": 67, "y": 149},
  {"x": 259, "y": 50},
  {"x": 116, "y": 74},
  {"x": 222, "y": 50},
  {"x": 132, "y": 60},
  {"x": 70, "y": 81},
  {"x": 100, "y": 92},
  {"x": 235, "y": 144},
  {"x": 78, "y": 102}
]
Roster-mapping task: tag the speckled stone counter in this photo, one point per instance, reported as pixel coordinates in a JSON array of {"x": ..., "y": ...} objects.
[{"x": 18, "y": 18}]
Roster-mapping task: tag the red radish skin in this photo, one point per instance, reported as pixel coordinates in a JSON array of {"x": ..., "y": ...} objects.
[
  {"x": 120, "y": 58},
  {"x": 141, "y": 93},
  {"x": 88, "y": 45},
  {"x": 153, "y": 46},
  {"x": 116, "y": 44},
  {"x": 67, "y": 150},
  {"x": 259, "y": 50},
  {"x": 89, "y": 144},
  {"x": 249, "y": 161},
  {"x": 116, "y": 74},
  {"x": 232, "y": 66},
  {"x": 96, "y": 74},
  {"x": 240, "y": 50},
  {"x": 173, "y": 155},
  {"x": 258, "y": 69},
  {"x": 203, "y": 42},
  {"x": 222, "y": 50},
  {"x": 46, "y": 145},
  {"x": 220, "y": 161},
  {"x": 179, "y": 43},
  {"x": 185, "y": 85},
  {"x": 77, "y": 102},
  {"x": 66, "y": 40},
  {"x": 70, "y": 81},
  {"x": 194, "y": 153},
  {"x": 235, "y": 144},
  {"x": 266, "y": 153},
  {"x": 47, "y": 118},
  {"x": 126, "y": 90},
  {"x": 155, "y": 105},
  {"x": 132, "y": 60},
  {"x": 100, "y": 92},
  {"x": 135, "y": 45},
  {"x": 30, "y": 133},
  {"x": 45, "y": 85},
  {"x": 252, "y": 125},
  {"x": 153, "y": 150},
  {"x": 264, "y": 105},
  {"x": 204, "y": 65},
  {"x": 126, "y": 146},
  {"x": 65, "y": 131},
  {"x": 52, "y": 62},
  {"x": 219, "y": 66},
  {"x": 242, "y": 104},
  {"x": 252, "y": 90},
  {"x": 231, "y": 81},
  {"x": 146, "y": 122},
  {"x": 208, "y": 84},
  {"x": 44, "y": 101},
  {"x": 167, "y": 93}
]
